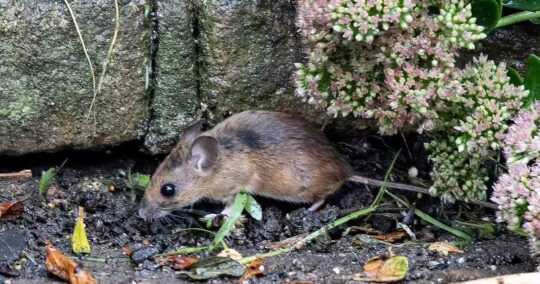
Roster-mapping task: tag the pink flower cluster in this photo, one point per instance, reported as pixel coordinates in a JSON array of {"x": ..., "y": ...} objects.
[
  {"x": 394, "y": 62},
  {"x": 518, "y": 192},
  {"x": 486, "y": 106},
  {"x": 391, "y": 61},
  {"x": 375, "y": 17}
]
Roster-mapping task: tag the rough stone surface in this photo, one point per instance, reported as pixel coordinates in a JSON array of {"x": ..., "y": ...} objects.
[
  {"x": 249, "y": 48},
  {"x": 46, "y": 89},
  {"x": 12, "y": 242},
  {"x": 175, "y": 104}
]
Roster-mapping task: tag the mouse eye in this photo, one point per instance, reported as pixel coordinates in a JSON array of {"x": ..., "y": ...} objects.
[{"x": 168, "y": 189}]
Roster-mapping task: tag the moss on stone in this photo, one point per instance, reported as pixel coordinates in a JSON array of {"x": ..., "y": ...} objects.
[{"x": 46, "y": 89}]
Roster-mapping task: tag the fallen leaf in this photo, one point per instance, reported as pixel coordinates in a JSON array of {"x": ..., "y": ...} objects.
[
  {"x": 285, "y": 243},
  {"x": 253, "y": 268},
  {"x": 11, "y": 210},
  {"x": 127, "y": 251},
  {"x": 65, "y": 268},
  {"x": 444, "y": 248},
  {"x": 214, "y": 267},
  {"x": 230, "y": 253},
  {"x": 79, "y": 241},
  {"x": 384, "y": 268},
  {"x": 183, "y": 262},
  {"x": 391, "y": 237}
]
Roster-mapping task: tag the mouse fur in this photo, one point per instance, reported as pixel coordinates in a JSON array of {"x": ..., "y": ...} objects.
[{"x": 270, "y": 154}]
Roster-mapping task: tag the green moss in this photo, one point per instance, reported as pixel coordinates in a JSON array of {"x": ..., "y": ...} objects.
[{"x": 21, "y": 109}]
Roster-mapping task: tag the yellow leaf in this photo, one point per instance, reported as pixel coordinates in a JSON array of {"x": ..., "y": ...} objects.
[
  {"x": 444, "y": 248},
  {"x": 384, "y": 268},
  {"x": 79, "y": 241},
  {"x": 230, "y": 253}
]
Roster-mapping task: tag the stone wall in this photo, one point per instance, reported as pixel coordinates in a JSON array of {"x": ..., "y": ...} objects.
[
  {"x": 174, "y": 61},
  {"x": 45, "y": 85}
]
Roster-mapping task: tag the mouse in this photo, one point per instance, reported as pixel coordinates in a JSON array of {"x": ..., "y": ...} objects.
[{"x": 265, "y": 153}]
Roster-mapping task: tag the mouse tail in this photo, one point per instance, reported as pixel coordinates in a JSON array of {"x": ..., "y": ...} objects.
[
  {"x": 408, "y": 187},
  {"x": 389, "y": 184}
]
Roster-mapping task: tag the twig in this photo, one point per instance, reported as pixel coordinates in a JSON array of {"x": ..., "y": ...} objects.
[
  {"x": 111, "y": 47},
  {"x": 23, "y": 173},
  {"x": 92, "y": 74}
]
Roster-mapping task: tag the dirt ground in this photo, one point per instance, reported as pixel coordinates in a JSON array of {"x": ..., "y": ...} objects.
[{"x": 112, "y": 223}]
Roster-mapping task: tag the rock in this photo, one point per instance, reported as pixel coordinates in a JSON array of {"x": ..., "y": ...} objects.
[
  {"x": 176, "y": 103},
  {"x": 46, "y": 89},
  {"x": 141, "y": 254},
  {"x": 12, "y": 242},
  {"x": 249, "y": 49}
]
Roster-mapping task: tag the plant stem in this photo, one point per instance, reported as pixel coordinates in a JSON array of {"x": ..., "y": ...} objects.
[
  {"x": 111, "y": 46},
  {"x": 312, "y": 235},
  {"x": 433, "y": 221},
  {"x": 90, "y": 66},
  {"x": 517, "y": 17},
  {"x": 184, "y": 251},
  {"x": 382, "y": 190}
]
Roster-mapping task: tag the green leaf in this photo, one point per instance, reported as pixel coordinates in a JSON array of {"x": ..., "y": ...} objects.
[
  {"x": 487, "y": 12},
  {"x": 238, "y": 206},
  {"x": 46, "y": 179},
  {"x": 142, "y": 180},
  {"x": 535, "y": 21},
  {"x": 526, "y": 5},
  {"x": 214, "y": 267},
  {"x": 514, "y": 76},
  {"x": 531, "y": 80},
  {"x": 137, "y": 182},
  {"x": 253, "y": 208}
]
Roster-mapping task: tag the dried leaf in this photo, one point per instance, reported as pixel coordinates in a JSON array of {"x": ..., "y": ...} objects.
[
  {"x": 127, "y": 251},
  {"x": 286, "y": 242},
  {"x": 79, "y": 241},
  {"x": 214, "y": 267},
  {"x": 384, "y": 268},
  {"x": 391, "y": 237},
  {"x": 253, "y": 268},
  {"x": 65, "y": 268},
  {"x": 11, "y": 210},
  {"x": 183, "y": 262},
  {"x": 230, "y": 253},
  {"x": 444, "y": 248}
]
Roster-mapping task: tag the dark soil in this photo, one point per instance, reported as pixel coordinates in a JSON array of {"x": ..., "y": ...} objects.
[{"x": 112, "y": 223}]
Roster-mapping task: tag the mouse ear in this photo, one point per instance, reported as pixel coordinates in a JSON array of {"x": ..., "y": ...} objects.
[
  {"x": 204, "y": 152},
  {"x": 191, "y": 133}
]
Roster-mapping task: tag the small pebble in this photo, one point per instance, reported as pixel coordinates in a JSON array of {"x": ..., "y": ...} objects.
[
  {"x": 461, "y": 260},
  {"x": 413, "y": 172},
  {"x": 141, "y": 254},
  {"x": 336, "y": 270}
]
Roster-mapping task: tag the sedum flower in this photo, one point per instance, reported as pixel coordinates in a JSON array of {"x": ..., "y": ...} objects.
[{"x": 517, "y": 192}]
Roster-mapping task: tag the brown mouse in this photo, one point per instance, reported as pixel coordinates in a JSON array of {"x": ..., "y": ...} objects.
[{"x": 270, "y": 154}]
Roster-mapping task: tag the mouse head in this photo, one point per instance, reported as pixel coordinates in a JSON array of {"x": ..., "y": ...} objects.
[{"x": 180, "y": 178}]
